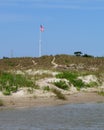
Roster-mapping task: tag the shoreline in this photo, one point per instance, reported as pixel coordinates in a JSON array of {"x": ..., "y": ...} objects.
[{"x": 30, "y": 101}]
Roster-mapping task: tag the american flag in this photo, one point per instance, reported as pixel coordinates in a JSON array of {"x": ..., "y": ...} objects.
[{"x": 41, "y": 28}]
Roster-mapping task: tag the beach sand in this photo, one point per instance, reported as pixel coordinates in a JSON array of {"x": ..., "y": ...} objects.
[{"x": 31, "y": 101}]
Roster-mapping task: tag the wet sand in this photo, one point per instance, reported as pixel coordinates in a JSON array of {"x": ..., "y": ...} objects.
[{"x": 31, "y": 101}]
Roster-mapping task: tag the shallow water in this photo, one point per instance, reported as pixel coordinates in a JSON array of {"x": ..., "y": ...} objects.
[{"x": 63, "y": 117}]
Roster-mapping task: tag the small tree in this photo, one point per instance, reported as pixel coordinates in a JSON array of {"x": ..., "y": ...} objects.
[{"x": 78, "y": 53}]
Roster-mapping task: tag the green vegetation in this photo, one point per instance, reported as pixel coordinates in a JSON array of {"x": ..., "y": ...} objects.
[
  {"x": 10, "y": 83},
  {"x": 61, "y": 84},
  {"x": 59, "y": 94},
  {"x": 67, "y": 75},
  {"x": 78, "y": 83},
  {"x": 78, "y": 53},
  {"x": 70, "y": 66},
  {"x": 72, "y": 77}
]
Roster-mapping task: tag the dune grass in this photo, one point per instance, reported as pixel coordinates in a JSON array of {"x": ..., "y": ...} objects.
[
  {"x": 72, "y": 77},
  {"x": 10, "y": 83}
]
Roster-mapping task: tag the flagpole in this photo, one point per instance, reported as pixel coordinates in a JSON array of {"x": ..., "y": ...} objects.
[
  {"x": 40, "y": 40},
  {"x": 40, "y": 44}
]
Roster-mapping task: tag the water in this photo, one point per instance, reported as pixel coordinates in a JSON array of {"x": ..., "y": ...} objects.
[{"x": 64, "y": 117}]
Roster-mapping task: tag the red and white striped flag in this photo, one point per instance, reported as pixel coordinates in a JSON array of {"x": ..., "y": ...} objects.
[{"x": 41, "y": 28}]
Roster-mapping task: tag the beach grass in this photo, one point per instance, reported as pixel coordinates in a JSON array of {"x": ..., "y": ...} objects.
[{"x": 10, "y": 83}]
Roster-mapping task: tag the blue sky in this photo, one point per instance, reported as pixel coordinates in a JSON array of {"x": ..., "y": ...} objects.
[{"x": 70, "y": 25}]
